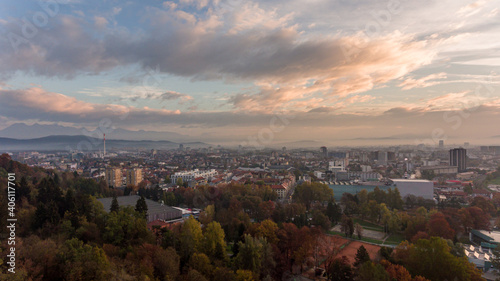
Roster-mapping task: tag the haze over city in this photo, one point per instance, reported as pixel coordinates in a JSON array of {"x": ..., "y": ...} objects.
[{"x": 336, "y": 72}]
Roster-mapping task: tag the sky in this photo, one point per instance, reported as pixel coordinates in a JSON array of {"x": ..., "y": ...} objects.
[{"x": 257, "y": 72}]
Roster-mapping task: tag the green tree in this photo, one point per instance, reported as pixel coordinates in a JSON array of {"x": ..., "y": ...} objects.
[
  {"x": 114, "y": 205},
  {"x": 213, "y": 243},
  {"x": 251, "y": 253},
  {"x": 224, "y": 274},
  {"x": 84, "y": 262},
  {"x": 370, "y": 271},
  {"x": 347, "y": 226},
  {"x": 190, "y": 238},
  {"x": 333, "y": 212},
  {"x": 362, "y": 256},
  {"x": 141, "y": 206},
  {"x": 201, "y": 263},
  {"x": 179, "y": 182},
  {"x": 340, "y": 270},
  {"x": 417, "y": 259}
]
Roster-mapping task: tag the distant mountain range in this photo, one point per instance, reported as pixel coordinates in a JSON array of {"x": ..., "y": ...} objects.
[
  {"x": 84, "y": 143},
  {"x": 23, "y": 131}
]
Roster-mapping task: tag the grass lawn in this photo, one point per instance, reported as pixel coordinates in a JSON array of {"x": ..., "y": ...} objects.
[
  {"x": 365, "y": 239},
  {"x": 368, "y": 225},
  {"x": 495, "y": 181},
  {"x": 394, "y": 239}
]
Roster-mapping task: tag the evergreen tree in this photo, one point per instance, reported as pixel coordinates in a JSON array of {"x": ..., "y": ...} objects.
[
  {"x": 114, "y": 205},
  {"x": 362, "y": 256},
  {"x": 141, "y": 206}
]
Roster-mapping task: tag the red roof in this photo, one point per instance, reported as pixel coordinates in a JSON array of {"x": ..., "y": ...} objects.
[
  {"x": 481, "y": 191},
  {"x": 276, "y": 186}
]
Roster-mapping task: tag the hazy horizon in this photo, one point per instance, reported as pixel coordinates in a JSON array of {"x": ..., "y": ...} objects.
[{"x": 231, "y": 71}]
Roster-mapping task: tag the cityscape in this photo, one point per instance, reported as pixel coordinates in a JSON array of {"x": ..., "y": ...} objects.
[{"x": 221, "y": 140}]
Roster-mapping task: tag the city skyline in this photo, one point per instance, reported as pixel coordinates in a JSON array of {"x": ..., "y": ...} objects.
[{"x": 273, "y": 71}]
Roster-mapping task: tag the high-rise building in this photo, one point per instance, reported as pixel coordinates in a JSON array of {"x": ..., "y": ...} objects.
[
  {"x": 324, "y": 151},
  {"x": 382, "y": 157},
  {"x": 458, "y": 158},
  {"x": 441, "y": 143},
  {"x": 134, "y": 176},
  {"x": 114, "y": 177}
]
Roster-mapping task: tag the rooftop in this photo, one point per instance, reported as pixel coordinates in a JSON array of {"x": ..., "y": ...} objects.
[
  {"x": 409, "y": 180},
  {"x": 153, "y": 207}
]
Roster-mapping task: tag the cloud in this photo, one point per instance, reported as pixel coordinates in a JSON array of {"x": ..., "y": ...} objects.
[
  {"x": 23, "y": 105},
  {"x": 266, "y": 49},
  {"x": 100, "y": 22},
  {"x": 427, "y": 81}
]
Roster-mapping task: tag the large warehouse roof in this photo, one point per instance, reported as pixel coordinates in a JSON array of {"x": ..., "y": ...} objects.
[{"x": 153, "y": 207}]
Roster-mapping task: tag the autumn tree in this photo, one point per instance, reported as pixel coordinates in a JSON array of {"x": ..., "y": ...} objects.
[
  {"x": 438, "y": 226},
  {"x": 213, "y": 243},
  {"x": 191, "y": 238},
  {"x": 370, "y": 271},
  {"x": 416, "y": 258},
  {"x": 84, "y": 262}
]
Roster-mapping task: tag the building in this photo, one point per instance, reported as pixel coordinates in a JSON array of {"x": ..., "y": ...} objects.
[
  {"x": 324, "y": 151},
  {"x": 156, "y": 211},
  {"x": 134, "y": 176},
  {"x": 382, "y": 157},
  {"x": 419, "y": 188},
  {"x": 441, "y": 143},
  {"x": 188, "y": 176},
  {"x": 280, "y": 190},
  {"x": 479, "y": 256},
  {"x": 361, "y": 176},
  {"x": 114, "y": 177},
  {"x": 438, "y": 170},
  {"x": 458, "y": 157},
  {"x": 485, "y": 238},
  {"x": 337, "y": 165}
]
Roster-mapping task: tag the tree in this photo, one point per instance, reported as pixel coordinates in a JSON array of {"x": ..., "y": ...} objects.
[
  {"x": 179, "y": 182},
  {"x": 114, "y": 205},
  {"x": 224, "y": 274},
  {"x": 359, "y": 230},
  {"x": 141, "y": 206},
  {"x": 340, "y": 270},
  {"x": 438, "y": 226},
  {"x": 190, "y": 238},
  {"x": 362, "y": 256},
  {"x": 84, "y": 262},
  {"x": 194, "y": 275},
  {"x": 208, "y": 215},
  {"x": 370, "y": 271},
  {"x": 308, "y": 193},
  {"x": 417, "y": 259},
  {"x": 249, "y": 255},
  {"x": 333, "y": 212},
  {"x": 213, "y": 243},
  {"x": 319, "y": 219},
  {"x": 347, "y": 226},
  {"x": 428, "y": 174},
  {"x": 201, "y": 263},
  {"x": 396, "y": 272},
  {"x": 268, "y": 229},
  {"x": 244, "y": 275}
]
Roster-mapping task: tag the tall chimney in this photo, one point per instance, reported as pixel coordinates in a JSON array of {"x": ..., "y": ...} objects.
[{"x": 104, "y": 146}]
